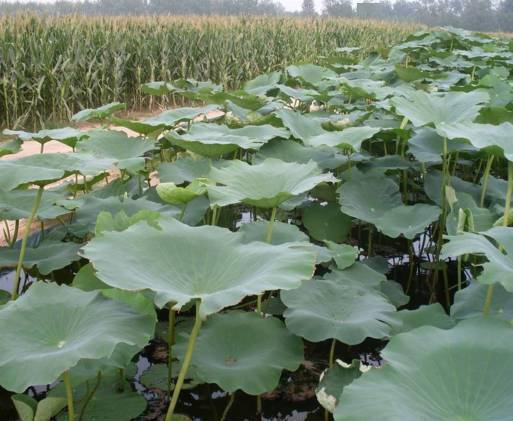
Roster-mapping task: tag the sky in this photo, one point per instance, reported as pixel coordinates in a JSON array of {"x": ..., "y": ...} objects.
[{"x": 294, "y": 5}]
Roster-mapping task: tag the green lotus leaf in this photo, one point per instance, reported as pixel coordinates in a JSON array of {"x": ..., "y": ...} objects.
[
  {"x": 262, "y": 84},
  {"x": 499, "y": 267},
  {"x": 365, "y": 88},
  {"x": 310, "y": 73},
  {"x": 427, "y": 146},
  {"x": 31, "y": 410},
  {"x": 325, "y": 309},
  {"x": 360, "y": 274},
  {"x": 166, "y": 119},
  {"x": 352, "y": 137},
  {"x": 126, "y": 151},
  {"x": 469, "y": 302},
  {"x": 184, "y": 169},
  {"x": 42, "y": 169},
  {"x": 482, "y": 136},
  {"x": 407, "y": 220},
  {"x": 427, "y": 377},
  {"x": 303, "y": 126},
  {"x": 214, "y": 140},
  {"x": 10, "y": 147},
  {"x": 55, "y": 327},
  {"x": 293, "y": 151},
  {"x": 326, "y": 222},
  {"x": 48, "y": 256},
  {"x": 332, "y": 383},
  {"x": 87, "y": 214},
  {"x": 239, "y": 350},
  {"x": 427, "y": 315},
  {"x": 98, "y": 113},
  {"x": 264, "y": 185},
  {"x": 207, "y": 263},
  {"x": 121, "y": 221},
  {"x": 409, "y": 74},
  {"x": 111, "y": 401},
  {"x": 282, "y": 232},
  {"x": 422, "y": 108},
  {"x": 67, "y": 135},
  {"x": 343, "y": 254},
  {"x": 369, "y": 198},
  {"x": 304, "y": 95},
  {"x": 171, "y": 193},
  {"x": 17, "y": 204}
]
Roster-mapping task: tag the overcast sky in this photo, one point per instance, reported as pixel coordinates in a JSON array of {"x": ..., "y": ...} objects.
[{"x": 296, "y": 4}]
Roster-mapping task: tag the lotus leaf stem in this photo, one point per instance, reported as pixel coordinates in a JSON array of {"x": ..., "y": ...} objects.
[
  {"x": 23, "y": 249},
  {"x": 507, "y": 204},
  {"x": 185, "y": 364},
  {"x": 90, "y": 396},
  {"x": 69, "y": 395},
  {"x": 270, "y": 226},
  {"x": 486, "y": 176},
  {"x": 171, "y": 342},
  {"x": 228, "y": 406},
  {"x": 332, "y": 353}
]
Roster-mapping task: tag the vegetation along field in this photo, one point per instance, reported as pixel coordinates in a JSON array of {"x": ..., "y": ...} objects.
[
  {"x": 326, "y": 242},
  {"x": 52, "y": 67}
]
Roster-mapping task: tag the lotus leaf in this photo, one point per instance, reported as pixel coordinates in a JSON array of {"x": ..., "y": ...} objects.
[
  {"x": 67, "y": 135},
  {"x": 326, "y": 222},
  {"x": 239, "y": 350},
  {"x": 325, "y": 309},
  {"x": 207, "y": 263},
  {"x": 427, "y": 377},
  {"x": 214, "y": 140},
  {"x": 264, "y": 185},
  {"x": 54, "y": 327},
  {"x": 98, "y": 113},
  {"x": 10, "y": 147}
]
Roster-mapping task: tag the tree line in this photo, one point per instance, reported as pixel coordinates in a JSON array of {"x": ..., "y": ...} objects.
[{"x": 480, "y": 15}]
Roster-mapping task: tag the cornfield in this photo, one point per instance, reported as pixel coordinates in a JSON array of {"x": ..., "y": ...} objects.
[{"x": 51, "y": 67}]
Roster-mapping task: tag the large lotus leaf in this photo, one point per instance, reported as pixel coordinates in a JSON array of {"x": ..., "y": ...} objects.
[
  {"x": 282, "y": 232},
  {"x": 292, "y": 151},
  {"x": 166, "y": 119},
  {"x": 87, "y": 214},
  {"x": 325, "y": 309},
  {"x": 98, "y": 113},
  {"x": 433, "y": 181},
  {"x": 422, "y": 108},
  {"x": 351, "y": 137},
  {"x": 326, "y": 222},
  {"x": 121, "y": 221},
  {"x": 469, "y": 302},
  {"x": 67, "y": 135},
  {"x": 344, "y": 255},
  {"x": 10, "y": 147},
  {"x": 428, "y": 146},
  {"x": 407, "y": 220},
  {"x": 207, "y": 263},
  {"x": 112, "y": 400},
  {"x": 499, "y": 267},
  {"x": 239, "y": 350},
  {"x": 310, "y": 73},
  {"x": 214, "y": 140},
  {"x": 427, "y": 315},
  {"x": 360, "y": 274},
  {"x": 44, "y": 168},
  {"x": 302, "y": 126},
  {"x": 369, "y": 198},
  {"x": 127, "y": 151},
  {"x": 482, "y": 136},
  {"x": 266, "y": 185},
  {"x": 262, "y": 84},
  {"x": 184, "y": 169},
  {"x": 50, "y": 328},
  {"x": 304, "y": 95},
  {"x": 18, "y": 204},
  {"x": 48, "y": 256},
  {"x": 434, "y": 374}
]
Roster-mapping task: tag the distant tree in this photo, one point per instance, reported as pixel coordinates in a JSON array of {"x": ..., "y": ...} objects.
[
  {"x": 505, "y": 15},
  {"x": 337, "y": 8},
  {"x": 308, "y": 8}
]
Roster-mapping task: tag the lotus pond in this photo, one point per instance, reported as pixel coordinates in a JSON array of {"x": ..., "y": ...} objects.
[{"x": 329, "y": 242}]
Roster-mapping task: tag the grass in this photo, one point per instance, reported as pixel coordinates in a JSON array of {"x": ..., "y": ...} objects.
[{"x": 51, "y": 67}]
